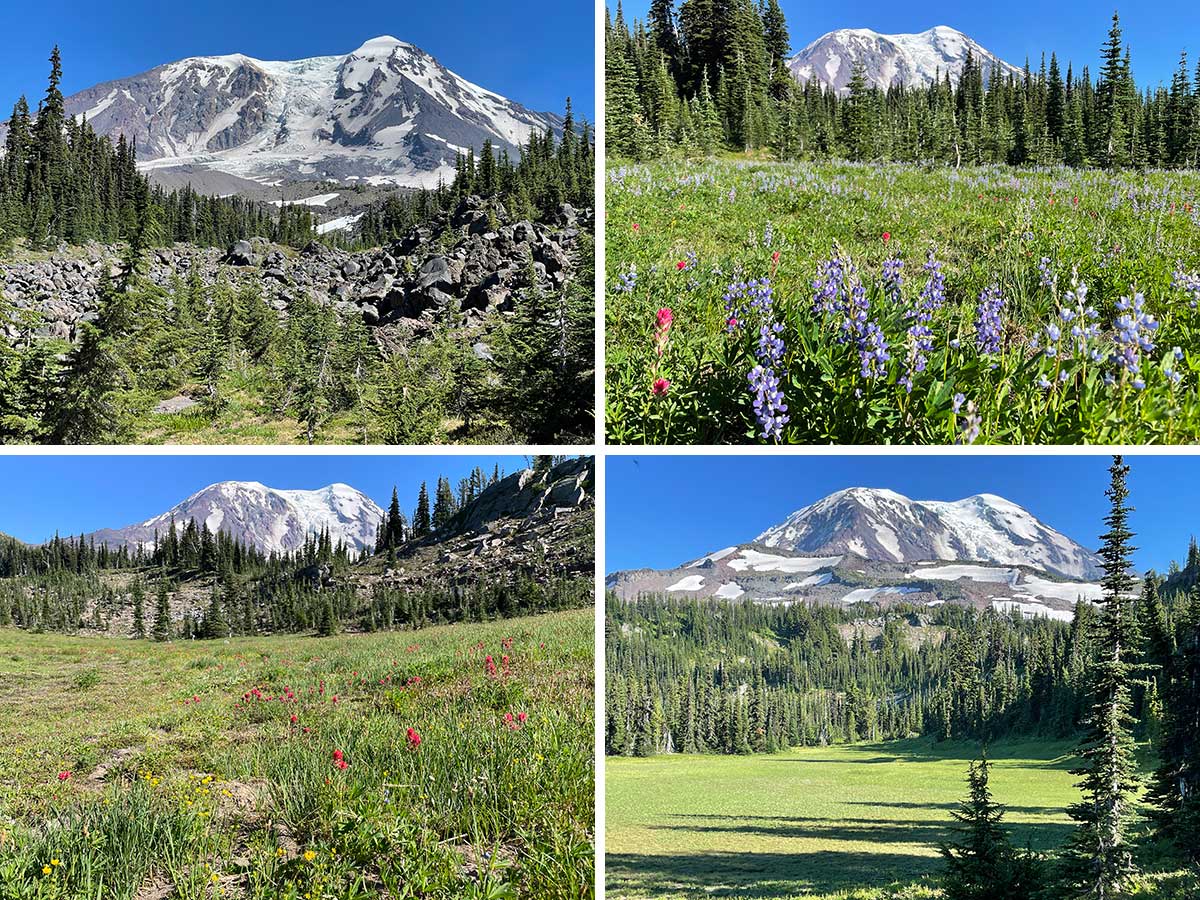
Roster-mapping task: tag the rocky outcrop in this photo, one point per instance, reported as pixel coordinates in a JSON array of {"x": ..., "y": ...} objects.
[
  {"x": 476, "y": 263},
  {"x": 531, "y": 525}
]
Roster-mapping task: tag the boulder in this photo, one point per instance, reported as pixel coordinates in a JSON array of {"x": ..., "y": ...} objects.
[{"x": 241, "y": 254}]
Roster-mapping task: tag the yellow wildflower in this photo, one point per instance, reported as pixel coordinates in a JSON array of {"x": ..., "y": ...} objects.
[
  {"x": 45, "y": 870},
  {"x": 309, "y": 856}
]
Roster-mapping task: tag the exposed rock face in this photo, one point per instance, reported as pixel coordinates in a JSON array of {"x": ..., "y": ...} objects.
[
  {"x": 387, "y": 111},
  {"x": 414, "y": 281},
  {"x": 900, "y": 60},
  {"x": 540, "y": 527}
]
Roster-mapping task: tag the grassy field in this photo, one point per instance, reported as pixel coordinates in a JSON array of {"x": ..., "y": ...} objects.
[
  {"x": 445, "y": 762},
  {"x": 820, "y": 822},
  {"x": 904, "y": 304}
]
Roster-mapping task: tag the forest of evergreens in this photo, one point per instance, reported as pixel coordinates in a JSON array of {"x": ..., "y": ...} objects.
[
  {"x": 715, "y": 676},
  {"x": 73, "y": 584},
  {"x": 713, "y": 74}
]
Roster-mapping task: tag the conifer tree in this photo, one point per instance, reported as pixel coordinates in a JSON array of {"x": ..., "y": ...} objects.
[
  {"x": 421, "y": 518},
  {"x": 162, "y": 610},
  {"x": 137, "y": 593},
  {"x": 981, "y": 863},
  {"x": 1098, "y": 860}
]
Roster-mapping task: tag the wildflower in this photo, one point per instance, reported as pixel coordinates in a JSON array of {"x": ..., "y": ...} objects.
[
  {"x": 681, "y": 265},
  {"x": 309, "y": 855},
  {"x": 919, "y": 335},
  {"x": 413, "y": 738},
  {"x": 969, "y": 427},
  {"x": 63, "y": 776},
  {"x": 775, "y": 258},
  {"x": 295, "y": 719},
  {"x": 988, "y": 327},
  {"x": 490, "y": 666},
  {"x": 958, "y": 402},
  {"x": 1134, "y": 330},
  {"x": 45, "y": 870},
  {"x": 887, "y": 236},
  {"x": 521, "y": 717},
  {"x": 1048, "y": 279},
  {"x": 55, "y": 862},
  {"x": 636, "y": 227},
  {"x": 660, "y": 388},
  {"x": 662, "y": 328},
  {"x": 626, "y": 282},
  {"x": 342, "y": 764},
  {"x": 338, "y": 756},
  {"x": 768, "y": 402}
]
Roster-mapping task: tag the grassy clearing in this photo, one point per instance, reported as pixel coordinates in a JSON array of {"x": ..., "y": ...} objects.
[
  {"x": 681, "y": 233},
  {"x": 831, "y": 822},
  {"x": 137, "y": 770}
]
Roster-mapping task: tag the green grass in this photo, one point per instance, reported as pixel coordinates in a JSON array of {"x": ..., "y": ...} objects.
[
  {"x": 179, "y": 786},
  {"x": 732, "y": 220},
  {"x": 814, "y": 822}
]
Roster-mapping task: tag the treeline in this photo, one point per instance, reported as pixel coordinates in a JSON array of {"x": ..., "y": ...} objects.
[
  {"x": 547, "y": 173},
  {"x": 712, "y": 676},
  {"x": 714, "y": 74},
  {"x": 60, "y": 181},
  {"x": 396, "y": 529},
  {"x": 318, "y": 368}
]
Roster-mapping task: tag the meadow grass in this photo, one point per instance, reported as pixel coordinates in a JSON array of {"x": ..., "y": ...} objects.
[
  {"x": 860, "y": 821},
  {"x": 680, "y": 233},
  {"x": 387, "y": 765}
]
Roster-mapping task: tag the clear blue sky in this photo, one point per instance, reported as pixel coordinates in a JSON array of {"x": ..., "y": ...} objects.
[
  {"x": 663, "y": 511},
  {"x": 536, "y": 53},
  {"x": 1074, "y": 29},
  {"x": 79, "y": 494}
]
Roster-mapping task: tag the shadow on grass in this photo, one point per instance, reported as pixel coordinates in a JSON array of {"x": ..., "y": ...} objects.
[
  {"x": 883, "y": 832},
  {"x": 757, "y": 876}
]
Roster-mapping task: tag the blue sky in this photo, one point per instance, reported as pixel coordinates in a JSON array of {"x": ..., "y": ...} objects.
[
  {"x": 662, "y": 511},
  {"x": 536, "y": 53},
  {"x": 1074, "y": 29},
  {"x": 79, "y": 494}
]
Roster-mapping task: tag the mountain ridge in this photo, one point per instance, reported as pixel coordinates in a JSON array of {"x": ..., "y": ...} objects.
[
  {"x": 906, "y": 60},
  {"x": 384, "y": 113}
]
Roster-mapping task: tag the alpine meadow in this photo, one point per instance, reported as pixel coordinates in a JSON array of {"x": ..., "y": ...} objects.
[
  {"x": 885, "y": 698},
  {"x": 301, "y": 692},
  {"x": 896, "y": 238}
]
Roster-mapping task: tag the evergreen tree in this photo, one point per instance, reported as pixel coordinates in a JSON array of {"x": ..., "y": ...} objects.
[
  {"x": 137, "y": 594},
  {"x": 162, "y": 610},
  {"x": 1098, "y": 858},
  {"x": 421, "y": 518}
]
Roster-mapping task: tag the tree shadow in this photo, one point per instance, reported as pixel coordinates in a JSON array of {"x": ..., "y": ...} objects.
[{"x": 757, "y": 876}]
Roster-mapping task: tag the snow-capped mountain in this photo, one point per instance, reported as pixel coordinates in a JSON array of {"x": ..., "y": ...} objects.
[
  {"x": 883, "y": 525},
  {"x": 908, "y": 60},
  {"x": 386, "y": 113},
  {"x": 878, "y": 546},
  {"x": 269, "y": 519}
]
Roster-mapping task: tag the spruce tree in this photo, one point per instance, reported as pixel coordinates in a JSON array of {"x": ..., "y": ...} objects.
[
  {"x": 981, "y": 863},
  {"x": 137, "y": 593},
  {"x": 421, "y": 518},
  {"x": 162, "y": 610},
  {"x": 1098, "y": 860}
]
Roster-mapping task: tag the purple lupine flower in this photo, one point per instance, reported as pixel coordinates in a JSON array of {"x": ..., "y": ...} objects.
[
  {"x": 968, "y": 428},
  {"x": 893, "y": 278},
  {"x": 988, "y": 328},
  {"x": 1134, "y": 331},
  {"x": 957, "y": 403},
  {"x": 1048, "y": 279},
  {"x": 749, "y": 304},
  {"x": 769, "y": 404},
  {"x": 920, "y": 336},
  {"x": 838, "y": 294},
  {"x": 627, "y": 281},
  {"x": 1189, "y": 284}
]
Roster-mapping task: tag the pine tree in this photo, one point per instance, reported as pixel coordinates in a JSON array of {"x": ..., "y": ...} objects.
[
  {"x": 421, "y": 518},
  {"x": 162, "y": 610},
  {"x": 981, "y": 863},
  {"x": 137, "y": 593},
  {"x": 1098, "y": 859}
]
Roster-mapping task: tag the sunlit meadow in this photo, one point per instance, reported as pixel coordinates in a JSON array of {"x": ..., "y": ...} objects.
[
  {"x": 770, "y": 302},
  {"x": 446, "y": 762}
]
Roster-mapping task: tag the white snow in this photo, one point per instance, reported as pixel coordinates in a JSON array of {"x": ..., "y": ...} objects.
[
  {"x": 810, "y": 581},
  {"x": 1031, "y": 610},
  {"x": 318, "y": 200},
  {"x": 887, "y": 540},
  {"x": 338, "y": 224},
  {"x": 730, "y": 591},
  {"x": 974, "y": 573},
  {"x": 791, "y": 565},
  {"x": 715, "y": 557},
  {"x": 689, "y": 583},
  {"x": 1070, "y": 591},
  {"x": 861, "y": 595}
]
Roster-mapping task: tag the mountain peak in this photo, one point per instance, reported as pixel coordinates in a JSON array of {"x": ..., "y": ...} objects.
[
  {"x": 386, "y": 113},
  {"x": 272, "y": 519},
  {"x": 881, "y": 524},
  {"x": 904, "y": 60}
]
